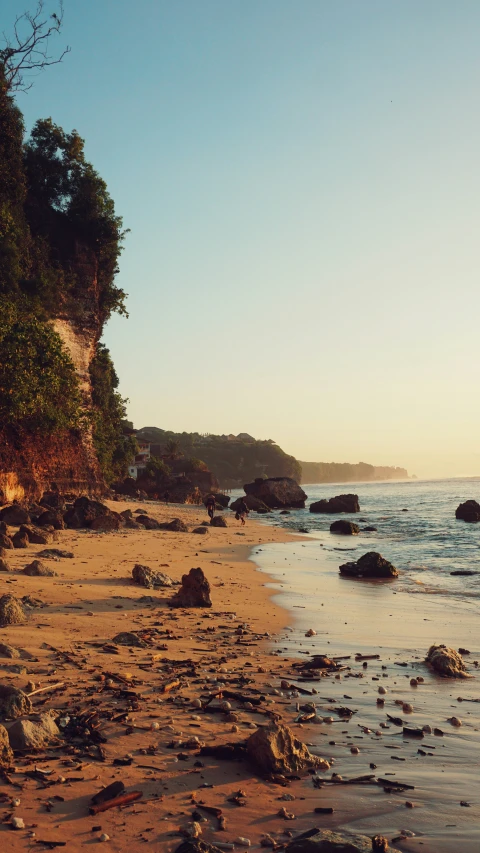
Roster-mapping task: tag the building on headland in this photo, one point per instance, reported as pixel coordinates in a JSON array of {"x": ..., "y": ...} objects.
[{"x": 140, "y": 462}]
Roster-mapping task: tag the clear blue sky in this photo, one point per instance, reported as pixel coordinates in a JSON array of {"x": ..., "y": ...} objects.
[{"x": 302, "y": 186}]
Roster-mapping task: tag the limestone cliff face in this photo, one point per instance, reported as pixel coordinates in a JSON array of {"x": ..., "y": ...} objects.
[{"x": 28, "y": 466}]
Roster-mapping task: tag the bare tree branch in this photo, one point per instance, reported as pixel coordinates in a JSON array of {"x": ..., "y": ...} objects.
[{"x": 28, "y": 49}]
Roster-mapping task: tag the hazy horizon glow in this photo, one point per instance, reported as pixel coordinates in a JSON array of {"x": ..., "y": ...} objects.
[{"x": 302, "y": 186}]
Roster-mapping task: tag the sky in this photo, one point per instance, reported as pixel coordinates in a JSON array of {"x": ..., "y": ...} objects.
[{"x": 301, "y": 182}]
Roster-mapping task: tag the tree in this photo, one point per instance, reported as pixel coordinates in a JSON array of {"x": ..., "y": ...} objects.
[
  {"x": 172, "y": 449},
  {"x": 115, "y": 448},
  {"x": 13, "y": 228},
  {"x": 27, "y": 50}
]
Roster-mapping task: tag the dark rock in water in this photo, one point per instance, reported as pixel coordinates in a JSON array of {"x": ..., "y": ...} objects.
[
  {"x": 221, "y": 499},
  {"x": 277, "y": 492},
  {"x": 285, "y": 512},
  {"x": 253, "y": 504},
  {"x": 37, "y": 569},
  {"x": 325, "y": 841},
  {"x": 341, "y": 503},
  {"x": 36, "y": 535},
  {"x": 194, "y": 591},
  {"x": 303, "y": 530},
  {"x": 53, "y": 517},
  {"x": 177, "y": 525},
  {"x": 218, "y": 521},
  {"x": 201, "y": 530},
  {"x": 371, "y": 565},
  {"x": 468, "y": 511},
  {"x": 370, "y": 529},
  {"x": 346, "y": 527},
  {"x": 55, "y": 553},
  {"x": 274, "y": 749},
  {"x": 144, "y": 576},
  {"x": 15, "y": 515},
  {"x": 5, "y": 541},
  {"x": 465, "y": 572},
  {"x": 20, "y": 540},
  {"x": 148, "y": 523}
]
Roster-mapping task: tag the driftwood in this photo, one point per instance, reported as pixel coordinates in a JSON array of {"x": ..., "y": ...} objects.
[
  {"x": 108, "y": 793},
  {"x": 117, "y": 801}
]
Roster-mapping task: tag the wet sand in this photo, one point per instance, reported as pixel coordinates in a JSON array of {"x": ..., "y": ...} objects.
[{"x": 93, "y": 599}]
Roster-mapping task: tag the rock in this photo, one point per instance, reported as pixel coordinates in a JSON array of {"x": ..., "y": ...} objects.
[
  {"x": 254, "y": 504},
  {"x": 17, "y": 823},
  {"x": 371, "y": 565},
  {"x": 370, "y": 529},
  {"x": 201, "y": 530},
  {"x": 341, "y": 503},
  {"x": 277, "y": 492},
  {"x": 55, "y": 554},
  {"x": 36, "y": 535},
  {"x": 128, "y": 638},
  {"x": 218, "y": 521},
  {"x": 274, "y": 749},
  {"x": 5, "y": 541},
  {"x": 109, "y": 522},
  {"x": 148, "y": 523},
  {"x": 465, "y": 573},
  {"x": 446, "y": 662},
  {"x": 20, "y": 540},
  {"x": 53, "y": 517},
  {"x": 11, "y": 611},
  {"x": 15, "y": 515},
  {"x": 9, "y": 651},
  {"x": 177, "y": 525},
  {"x": 37, "y": 569},
  {"x": 13, "y": 702},
  {"x": 344, "y": 527},
  {"x": 33, "y": 734},
  {"x": 3, "y": 528},
  {"x": 194, "y": 591},
  {"x": 325, "y": 841},
  {"x": 4, "y": 567},
  {"x": 6, "y": 752},
  {"x": 195, "y": 845},
  {"x": 127, "y": 513},
  {"x": 468, "y": 511},
  {"x": 53, "y": 500},
  {"x": 84, "y": 511},
  {"x": 131, "y": 524},
  {"x": 221, "y": 499},
  {"x": 144, "y": 576}
]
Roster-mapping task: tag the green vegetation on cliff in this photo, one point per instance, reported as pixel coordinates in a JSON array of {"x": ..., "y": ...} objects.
[
  {"x": 114, "y": 448},
  {"x": 232, "y": 461}
]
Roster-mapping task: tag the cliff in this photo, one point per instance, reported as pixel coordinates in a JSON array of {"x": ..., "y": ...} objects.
[{"x": 345, "y": 472}]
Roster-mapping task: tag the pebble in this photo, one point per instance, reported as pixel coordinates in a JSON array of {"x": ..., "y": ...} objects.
[
  {"x": 454, "y": 721},
  {"x": 311, "y": 633},
  {"x": 407, "y": 708},
  {"x": 104, "y": 837},
  {"x": 354, "y": 750},
  {"x": 196, "y": 703},
  {"x": 427, "y": 729},
  {"x": 382, "y": 690},
  {"x": 243, "y": 842}
]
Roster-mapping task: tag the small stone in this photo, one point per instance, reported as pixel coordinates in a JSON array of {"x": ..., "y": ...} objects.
[
  {"x": 454, "y": 721},
  {"x": 407, "y": 708},
  {"x": 354, "y": 750},
  {"x": 311, "y": 633},
  {"x": 104, "y": 837},
  {"x": 382, "y": 690},
  {"x": 18, "y": 823}
]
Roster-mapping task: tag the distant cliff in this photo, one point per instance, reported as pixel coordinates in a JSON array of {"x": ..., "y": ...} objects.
[{"x": 345, "y": 472}]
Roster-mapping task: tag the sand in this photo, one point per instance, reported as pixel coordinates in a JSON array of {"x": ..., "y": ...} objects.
[{"x": 243, "y": 636}]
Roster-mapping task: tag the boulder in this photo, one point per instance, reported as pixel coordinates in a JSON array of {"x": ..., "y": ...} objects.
[
  {"x": 194, "y": 591},
  {"x": 468, "y": 511},
  {"x": 5, "y": 541},
  {"x": 218, "y": 521},
  {"x": 53, "y": 517},
  {"x": 9, "y": 651},
  {"x": 83, "y": 512},
  {"x": 277, "y": 492},
  {"x": 33, "y": 734},
  {"x": 196, "y": 845},
  {"x": 36, "y": 535},
  {"x": 6, "y": 752},
  {"x": 107, "y": 523},
  {"x": 370, "y": 529},
  {"x": 221, "y": 499},
  {"x": 371, "y": 565},
  {"x": 274, "y": 750},
  {"x": 325, "y": 841},
  {"x": 201, "y": 530},
  {"x": 11, "y": 611},
  {"x": 128, "y": 638},
  {"x": 148, "y": 523},
  {"x": 127, "y": 513},
  {"x": 53, "y": 500},
  {"x": 14, "y": 703},
  {"x": 131, "y": 524},
  {"x": 55, "y": 554},
  {"x": 348, "y": 528},
  {"x": 446, "y": 662},
  {"x": 20, "y": 540},
  {"x": 37, "y": 569},
  {"x": 332, "y": 506},
  {"x": 4, "y": 528},
  {"x": 144, "y": 576},
  {"x": 4, "y": 567},
  {"x": 15, "y": 515},
  {"x": 254, "y": 504},
  {"x": 177, "y": 525}
]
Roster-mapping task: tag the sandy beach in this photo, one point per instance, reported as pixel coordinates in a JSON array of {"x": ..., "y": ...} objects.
[{"x": 242, "y": 643}]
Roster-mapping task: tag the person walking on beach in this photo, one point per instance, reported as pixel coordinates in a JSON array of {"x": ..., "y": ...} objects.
[
  {"x": 210, "y": 504},
  {"x": 166, "y": 497},
  {"x": 242, "y": 510}
]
